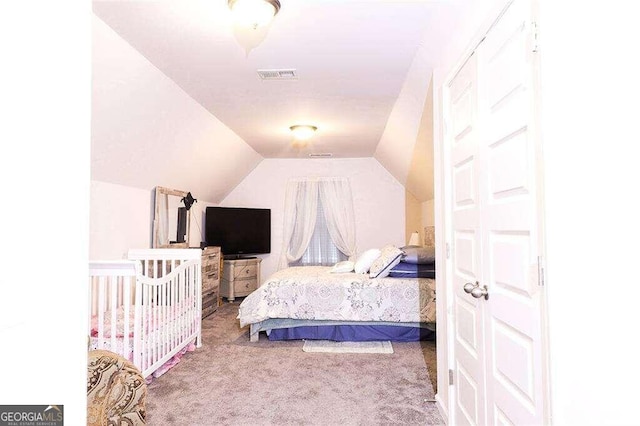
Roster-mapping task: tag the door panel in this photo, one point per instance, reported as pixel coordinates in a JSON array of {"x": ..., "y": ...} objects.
[
  {"x": 468, "y": 330},
  {"x": 467, "y": 397},
  {"x": 494, "y": 228},
  {"x": 509, "y": 221},
  {"x": 465, "y": 194},
  {"x": 513, "y": 350},
  {"x": 511, "y": 274},
  {"x": 467, "y": 327},
  {"x": 507, "y": 166}
]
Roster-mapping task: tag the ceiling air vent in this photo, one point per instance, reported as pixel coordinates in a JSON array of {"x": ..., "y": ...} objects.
[
  {"x": 289, "y": 74},
  {"x": 321, "y": 155}
]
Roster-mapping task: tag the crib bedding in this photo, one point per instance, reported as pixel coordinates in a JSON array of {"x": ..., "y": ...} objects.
[
  {"x": 150, "y": 320},
  {"x": 313, "y": 293},
  {"x": 154, "y": 332}
]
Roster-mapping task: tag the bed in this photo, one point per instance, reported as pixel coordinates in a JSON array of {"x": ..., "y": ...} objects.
[
  {"x": 312, "y": 302},
  {"x": 147, "y": 308}
]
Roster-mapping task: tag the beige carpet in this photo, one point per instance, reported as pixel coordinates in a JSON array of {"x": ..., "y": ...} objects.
[{"x": 230, "y": 381}]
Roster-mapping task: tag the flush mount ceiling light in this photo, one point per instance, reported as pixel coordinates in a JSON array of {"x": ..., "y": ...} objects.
[
  {"x": 254, "y": 13},
  {"x": 303, "y": 132}
]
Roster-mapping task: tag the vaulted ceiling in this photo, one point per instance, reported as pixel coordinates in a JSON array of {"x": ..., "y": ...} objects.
[{"x": 363, "y": 70}]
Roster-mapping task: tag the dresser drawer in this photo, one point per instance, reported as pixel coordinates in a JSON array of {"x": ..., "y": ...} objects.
[
  {"x": 211, "y": 254},
  {"x": 210, "y": 272},
  {"x": 210, "y": 264},
  {"x": 244, "y": 287},
  {"x": 210, "y": 283},
  {"x": 209, "y": 303},
  {"x": 210, "y": 257},
  {"x": 210, "y": 280},
  {"x": 241, "y": 272}
]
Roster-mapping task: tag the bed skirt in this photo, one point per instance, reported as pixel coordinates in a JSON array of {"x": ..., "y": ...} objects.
[{"x": 353, "y": 333}]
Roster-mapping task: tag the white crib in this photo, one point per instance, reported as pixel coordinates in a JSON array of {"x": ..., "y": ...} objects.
[{"x": 146, "y": 308}]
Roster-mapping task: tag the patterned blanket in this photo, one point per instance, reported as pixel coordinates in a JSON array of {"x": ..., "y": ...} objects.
[{"x": 314, "y": 293}]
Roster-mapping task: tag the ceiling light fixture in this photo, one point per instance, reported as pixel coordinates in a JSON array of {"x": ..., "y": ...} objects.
[
  {"x": 303, "y": 132},
  {"x": 254, "y": 13}
]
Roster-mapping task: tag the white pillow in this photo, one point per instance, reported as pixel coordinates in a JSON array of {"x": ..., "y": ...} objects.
[
  {"x": 342, "y": 267},
  {"x": 365, "y": 261},
  {"x": 389, "y": 257}
]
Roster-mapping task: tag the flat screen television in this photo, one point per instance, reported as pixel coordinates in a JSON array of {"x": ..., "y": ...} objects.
[{"x": 238, "y": 231}]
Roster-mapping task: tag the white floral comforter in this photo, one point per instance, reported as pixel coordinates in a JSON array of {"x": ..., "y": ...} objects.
[{"x": 313, "y": 293}]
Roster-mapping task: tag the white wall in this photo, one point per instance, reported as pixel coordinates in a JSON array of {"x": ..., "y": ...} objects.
[
  {"x": 147, "y": 132},
  {"x": 396, "y": 146},
  {"x": 420, "y": 177},
  {"x": 428, "y": 218},
  {"x": 590, "y": 90},
  {"x": 378, "y": 199},
  {"x": 413, "y": 217},
  {"x": 121, "y": 218},
  {"x": 45, "y": 106}
]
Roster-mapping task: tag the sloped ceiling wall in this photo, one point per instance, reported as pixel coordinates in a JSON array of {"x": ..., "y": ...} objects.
[
  {"x": 420, "y": 178},
  {"x": 396, "y": 148},
  {"x": 136, "y": 109}
]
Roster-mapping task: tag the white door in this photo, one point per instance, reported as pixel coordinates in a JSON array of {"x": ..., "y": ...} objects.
[
  {"x": 468, "y": 311},
  {"x": 508, "y": 388}
]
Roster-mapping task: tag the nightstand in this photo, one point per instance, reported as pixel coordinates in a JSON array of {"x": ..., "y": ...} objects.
[{"x": 240, "y": 277}]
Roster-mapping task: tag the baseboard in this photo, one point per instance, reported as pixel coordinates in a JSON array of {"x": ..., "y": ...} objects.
[{"x": 442, "y": 409}]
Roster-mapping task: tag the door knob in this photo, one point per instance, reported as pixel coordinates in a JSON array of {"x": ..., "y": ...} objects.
[
  {"x": 468, "y": 287},
  {"x": 479, "y": 292}
]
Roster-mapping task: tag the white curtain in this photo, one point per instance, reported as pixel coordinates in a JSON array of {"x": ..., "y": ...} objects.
[
  {"x": 301, "y": 206},
  {"x": 321, "y": 249},
  {"x": 300, "y": 212},
  {"x": 335, "y": 195}
]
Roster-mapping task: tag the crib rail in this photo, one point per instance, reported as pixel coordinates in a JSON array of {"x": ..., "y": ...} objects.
[
  {"x": 112, "y": 315},
  {"x": 148, "y": 307}
]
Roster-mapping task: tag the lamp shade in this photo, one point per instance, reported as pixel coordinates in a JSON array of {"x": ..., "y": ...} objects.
[
  {"x": 254, "y": 13},
  {"x": 414, "y": 240},
  {"x": 303, "y": 131}
]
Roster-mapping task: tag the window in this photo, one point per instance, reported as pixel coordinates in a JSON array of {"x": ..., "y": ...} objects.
[
  {"x": 321, "y": 249},
  {"x": 311, "y": 237}
]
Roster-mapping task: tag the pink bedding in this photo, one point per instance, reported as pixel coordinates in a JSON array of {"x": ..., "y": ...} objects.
[{"x": 150, "y": 322}]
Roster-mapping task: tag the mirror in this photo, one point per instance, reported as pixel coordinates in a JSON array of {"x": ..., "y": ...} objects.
[{"x": 171, "y": 218}]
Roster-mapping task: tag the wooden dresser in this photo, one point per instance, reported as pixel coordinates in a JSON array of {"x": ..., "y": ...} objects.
[
  {"x": 240, "y": 277},
  {"x": 211, "y": 264}
]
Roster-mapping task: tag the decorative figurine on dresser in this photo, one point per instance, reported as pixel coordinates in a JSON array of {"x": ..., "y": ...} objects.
[
  {"x": 240, "y": 277},
  {"x": 171, "y": 225}
]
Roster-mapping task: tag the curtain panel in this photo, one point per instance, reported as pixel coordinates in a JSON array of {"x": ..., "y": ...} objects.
[{"x": 301, "y": 206}]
